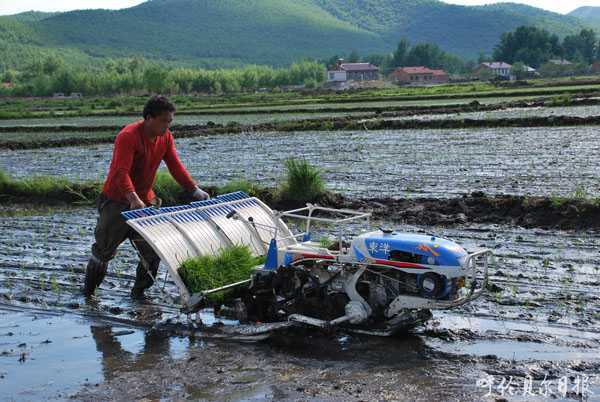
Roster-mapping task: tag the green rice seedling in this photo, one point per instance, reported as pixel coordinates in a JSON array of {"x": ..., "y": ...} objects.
[
  {"x": 557, "y": 201},
  {"x": 303, "y": 182},
  {"x": 325, "y": 242},
  {"x": 232, "y": 264},
  {"x": 54, "y": 284},
  {"x": 580, "y": 193},
  {"x": 43, "y": 281}
]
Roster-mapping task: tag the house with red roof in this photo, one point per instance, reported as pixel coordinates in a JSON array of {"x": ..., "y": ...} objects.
[{"x": 419, "y": 76}]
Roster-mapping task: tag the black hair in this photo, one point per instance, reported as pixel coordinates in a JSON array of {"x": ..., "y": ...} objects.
[{"x": 157, "y": 105}]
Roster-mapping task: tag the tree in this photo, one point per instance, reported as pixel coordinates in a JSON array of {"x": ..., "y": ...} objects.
[
  {"x": 155, "y": 79},
  {"x": 399, "y": 57},
  {"x": 383, "y": 61},
  {"x": 52, "y": 64},
  {"x": 10, "y": 76},
  {"x": 580, "y": 47},
  {"x": 485, "y": 74},
  {"x": 353, "y": 57},
  {"x": 483, "y": 58},
  {"x": 530, "y": 45},
  {"x": 519, "y": 70}
]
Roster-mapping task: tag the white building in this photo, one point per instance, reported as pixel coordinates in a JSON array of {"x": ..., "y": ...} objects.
[
  {"x": 498, "y": 68},
  {"x": 337, "y": 76}
]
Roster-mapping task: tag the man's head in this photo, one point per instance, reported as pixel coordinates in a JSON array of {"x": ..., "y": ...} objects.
[{"x": 158, "y": 115}]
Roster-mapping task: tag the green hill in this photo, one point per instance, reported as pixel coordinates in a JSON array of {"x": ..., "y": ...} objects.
[
  {"x": 233, "y": 32},
  {"x": 465, "y": 31},
  {"x": 256, "y": 31},
  {"x": 590, "y": 15}
]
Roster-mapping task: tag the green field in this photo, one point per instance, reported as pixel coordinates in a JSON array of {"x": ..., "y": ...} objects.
[{"x": 288, "y": 101}]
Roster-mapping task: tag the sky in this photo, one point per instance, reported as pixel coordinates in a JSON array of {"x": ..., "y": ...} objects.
[{"x": 17, "y": 6}]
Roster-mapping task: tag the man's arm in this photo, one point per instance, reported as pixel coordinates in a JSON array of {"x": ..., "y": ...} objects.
[{"x": 121, "y": 166}]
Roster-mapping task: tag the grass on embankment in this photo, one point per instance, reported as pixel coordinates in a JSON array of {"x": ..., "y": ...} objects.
[
  {"x": 48, "y": 190},
  {"x": 302, "y": 183}
]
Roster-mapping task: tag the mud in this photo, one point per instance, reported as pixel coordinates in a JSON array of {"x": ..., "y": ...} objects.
[
  {"x": 529, "y": 212},
  {"x": 540, "y": 319}
]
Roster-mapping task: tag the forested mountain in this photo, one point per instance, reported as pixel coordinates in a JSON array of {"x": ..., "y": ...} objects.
[
  {"x": 277, "y": 32},
  {"x": 590, "y": 15},
  {"x": 465, "y": 31}
]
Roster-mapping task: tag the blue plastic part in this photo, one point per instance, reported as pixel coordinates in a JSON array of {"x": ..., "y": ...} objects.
[
  {"x": 441, "y": 251},
  {"x": 271, "y": 262},
  {"x": 306, "y": 237},
  {"x": 359, "y": 256},
  {"x": 141, "y": 213}
]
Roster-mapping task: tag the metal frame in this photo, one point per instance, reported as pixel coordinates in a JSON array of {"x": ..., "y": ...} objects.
[
  {"x": 470, "y": 267},
  {"x": 176, "y": 232},
  {"x": 272, "y": 226},
  {"x": 311, "y": 208}
]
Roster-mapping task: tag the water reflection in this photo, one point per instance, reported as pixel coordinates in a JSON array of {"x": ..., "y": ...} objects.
[{"x": 128, "y": 350}]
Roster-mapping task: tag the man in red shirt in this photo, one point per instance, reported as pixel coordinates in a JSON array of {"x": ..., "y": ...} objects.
[{"x": 138, "y": 151}]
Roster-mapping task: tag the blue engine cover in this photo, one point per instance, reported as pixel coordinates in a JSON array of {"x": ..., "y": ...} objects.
[{"x": 433, "y": 250}]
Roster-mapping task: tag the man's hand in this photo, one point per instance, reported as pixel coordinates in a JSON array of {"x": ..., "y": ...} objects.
[
  {"x": 199, "y": 194},
  {"x": 134, "y": 201}
]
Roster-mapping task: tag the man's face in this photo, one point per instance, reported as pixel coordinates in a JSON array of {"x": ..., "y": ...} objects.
[{"x": 160, "y": 123}]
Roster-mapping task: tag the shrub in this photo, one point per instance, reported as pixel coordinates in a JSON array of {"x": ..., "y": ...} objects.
[{"x": 303, "y": 182}]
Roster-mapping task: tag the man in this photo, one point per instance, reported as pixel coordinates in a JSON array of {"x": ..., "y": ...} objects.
[{"x": 138, "y": 151}]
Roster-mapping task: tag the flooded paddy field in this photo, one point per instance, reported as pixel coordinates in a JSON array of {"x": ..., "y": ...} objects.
[
  {"x": 180, "y": 119},
  {"x": 24, "y": 137},
  {"x": 420, "y": 163},
  {"x": 510, "y": 113},
  {"x": 539, "y": 320},
  {"x": 389, "y": 103}
]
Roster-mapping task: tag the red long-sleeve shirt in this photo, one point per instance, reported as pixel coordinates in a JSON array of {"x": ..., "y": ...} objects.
[{"x": 135, "y": 162}]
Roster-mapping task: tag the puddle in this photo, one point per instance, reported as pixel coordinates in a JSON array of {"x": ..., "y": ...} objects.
[{"x": 516, "y": 351}]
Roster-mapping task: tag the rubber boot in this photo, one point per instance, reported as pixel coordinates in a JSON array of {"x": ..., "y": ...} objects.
[
  {"x": 94, "y": 275},
  {"x": 142, "y": 279}
]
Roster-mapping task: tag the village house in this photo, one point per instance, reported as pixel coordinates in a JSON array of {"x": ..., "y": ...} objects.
[
  {"x": 353, "y": 72},
  {"x": 419, "y": 75},
  {"x": 497, "y": 68}
]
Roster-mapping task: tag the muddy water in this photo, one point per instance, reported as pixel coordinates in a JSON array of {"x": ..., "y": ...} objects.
[
  {"x": 537, "y": 161},
  {"x": 540, "y": 319}
]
